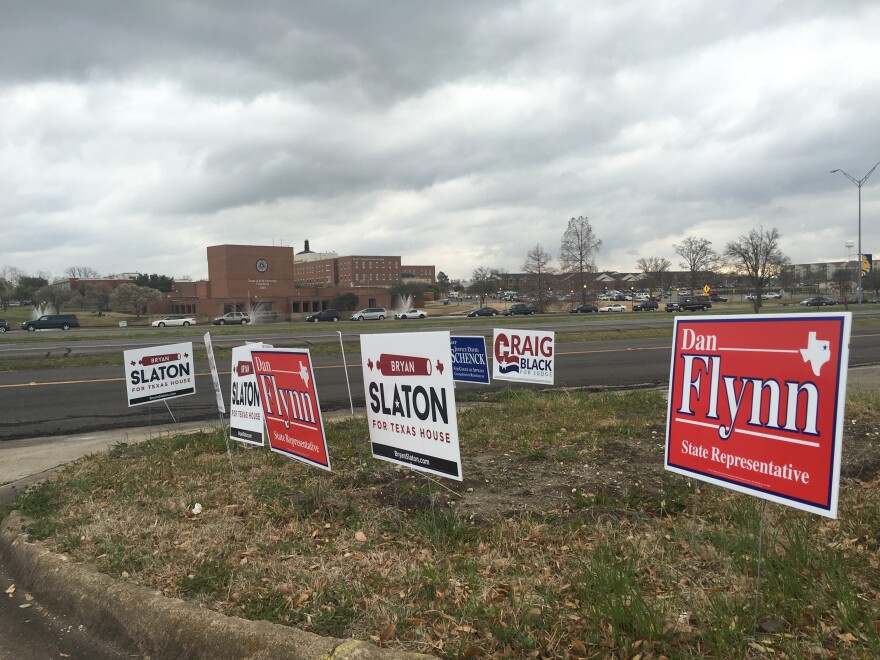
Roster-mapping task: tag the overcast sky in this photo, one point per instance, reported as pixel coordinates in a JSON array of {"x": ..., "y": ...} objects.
[{"x": 458, "y": 134}]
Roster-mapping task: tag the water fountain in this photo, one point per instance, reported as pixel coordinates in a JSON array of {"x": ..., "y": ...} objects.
[
  {"x": 41, "y": 310},
  {"x": 404, "y": 303}
]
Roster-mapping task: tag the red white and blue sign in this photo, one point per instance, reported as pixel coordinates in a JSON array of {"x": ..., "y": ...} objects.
[
  {"x": 756, "y": 405},
  {"x": 290, "y": 405},
  {"x": 524, "y": 356},
  {"x": 469, "y": 360},
  {"x": 411, "y": 401}
]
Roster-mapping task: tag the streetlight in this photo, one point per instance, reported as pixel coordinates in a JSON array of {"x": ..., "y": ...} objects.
[{"x": 858, "y": 183}]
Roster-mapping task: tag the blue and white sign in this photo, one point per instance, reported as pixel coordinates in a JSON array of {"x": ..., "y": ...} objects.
[{"x": 469, "y": 363}]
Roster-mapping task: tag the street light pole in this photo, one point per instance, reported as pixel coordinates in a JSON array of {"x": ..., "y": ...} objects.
[{"x": 858, "y": 183}]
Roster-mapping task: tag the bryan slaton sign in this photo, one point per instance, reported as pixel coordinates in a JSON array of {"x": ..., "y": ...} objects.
[
  {"x": 411, "y": 401},
  {"x": 160, "y": 372},
  {"x": 756, "y": 405}
]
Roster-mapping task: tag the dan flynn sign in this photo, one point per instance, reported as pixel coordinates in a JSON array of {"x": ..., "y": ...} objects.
[
  {"x": 525, "y": 356},
  {"x": 411, "y": 401},
  {"x": 289, "y": 400},
  {"x": 756, "y": 405},
  {"x": 161, "y": 372}
]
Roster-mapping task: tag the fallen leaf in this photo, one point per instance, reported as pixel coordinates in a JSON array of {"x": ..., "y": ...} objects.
[
  {"x": 11, "y": 590},
  {"x": 360, "y": 536},
  {"x": 388, "y": 632},
  {"x": 24, "y": 606},
  {"x": 302, "y": 598}
]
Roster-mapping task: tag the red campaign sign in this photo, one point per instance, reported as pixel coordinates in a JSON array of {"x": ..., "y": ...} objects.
[
  {"x": 290, "y": 405},
  {"x": 756, "y": 405}
]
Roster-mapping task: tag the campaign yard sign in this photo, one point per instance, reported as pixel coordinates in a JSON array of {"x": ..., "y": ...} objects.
[
  {"x": 215, "y": 377},
  {"x": 289, "y": 400},
  {"x": 160, "y": 372},
  {"x": 245, "y": 409},
  {"x": 469, "y": 360},
  {"x": 525, "y": 356},
  {"x": 756, "y": 405},
  {"x": 411, "y": 401}
]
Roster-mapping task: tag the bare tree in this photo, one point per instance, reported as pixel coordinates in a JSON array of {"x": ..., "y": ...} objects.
[
  {"x": 757, "y": 256},
  {"x": 697, "y": 257},
  {"x": 654, "y": 269},
  {"x": 844, "y": 279},
  {"x": 81, "y": 271},
  {"x": 538, "y": 265},
  {"x": 483, "y": 282},
  {"x": 579, "y": 245}
]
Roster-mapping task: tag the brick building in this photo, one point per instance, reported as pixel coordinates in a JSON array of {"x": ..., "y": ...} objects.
[{"x": 274, "y": 281}]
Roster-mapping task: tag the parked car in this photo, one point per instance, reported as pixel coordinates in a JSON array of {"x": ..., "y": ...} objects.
[
  {"x": 4, "y": 326},
  {"x": 47, "y": 321},
  {"x": 412, "y": 314},
  {"x": 688, "y": 304},
  {"x": 714, "y": 297},
  {"x": 370, "y": 314},
  {"x": 646, "y": 306},
  {"x": 772, "y": 295},
  {"x": 174, "y": 321},
  {"x": 483, "y": 311},
  {"x": 583, "y": 309},
  {"x": 818, "y": 301},
  {"x": 616, "y": 307},
  {"x": 232, "y": 318},
  {"x": 520, "y": 308},
  {"x": 324, "y": 315}
]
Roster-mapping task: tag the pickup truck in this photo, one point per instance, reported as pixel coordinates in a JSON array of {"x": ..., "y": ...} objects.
[
  {"x": 688, "y": 304},
  {"x": 520, "y": 308}
]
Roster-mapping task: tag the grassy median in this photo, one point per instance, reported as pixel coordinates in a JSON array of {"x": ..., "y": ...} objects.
[{"x": 566, "y": 538}]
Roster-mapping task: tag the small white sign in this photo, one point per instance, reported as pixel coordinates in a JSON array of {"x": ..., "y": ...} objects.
[
  {"x": 411, "y": 401},
  {"x": 215, "y": 377},
  {"x": 525, "y": 356},
  {"x": 160, "y": 372},
  {"x": 246, "y": 412}
]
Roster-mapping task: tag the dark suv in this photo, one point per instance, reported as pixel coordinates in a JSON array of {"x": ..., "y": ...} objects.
[
  {"x": 4, "y": 325},
  {"x": 688, "y": 304},
  {"x": 323, "y": 315},
  {"x": 645, "y": 306},
  {"x": 46, "y": 321}
]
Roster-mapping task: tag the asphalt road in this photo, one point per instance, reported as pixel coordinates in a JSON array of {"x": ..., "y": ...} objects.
[{"x": 75, "y": 400}]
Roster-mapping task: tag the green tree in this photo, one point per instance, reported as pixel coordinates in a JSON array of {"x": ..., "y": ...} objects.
[
  {"x": 579, "y": 245},
  {"x": 161, "y": 283},
  {"x": 133, "y": 298},
  {"x": 757, "y": 256},
  {"x": 871, "y": 282},
  {"x": 52, "y": 297},
  {"x": 346, "y": 302},
  {"x": 98, "y": 296},
  {"x": 26, "y": 287}
]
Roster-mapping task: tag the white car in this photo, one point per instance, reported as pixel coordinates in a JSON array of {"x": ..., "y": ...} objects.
[
  {"x": 173, "y": 320},
  {"x": 411, "y": 314},
  {"x": 616, "y": 307},
  {"x": 771, "y": 296}
]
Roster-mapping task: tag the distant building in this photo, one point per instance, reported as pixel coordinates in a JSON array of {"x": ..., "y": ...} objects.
[{"x": 276, "y": 281}]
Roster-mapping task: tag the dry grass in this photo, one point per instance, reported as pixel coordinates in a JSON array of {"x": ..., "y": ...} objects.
[{"x": 567, "y": 539}]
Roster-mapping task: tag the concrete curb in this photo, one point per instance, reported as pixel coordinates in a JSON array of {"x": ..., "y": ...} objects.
[{"x": 146, "y": 622}]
